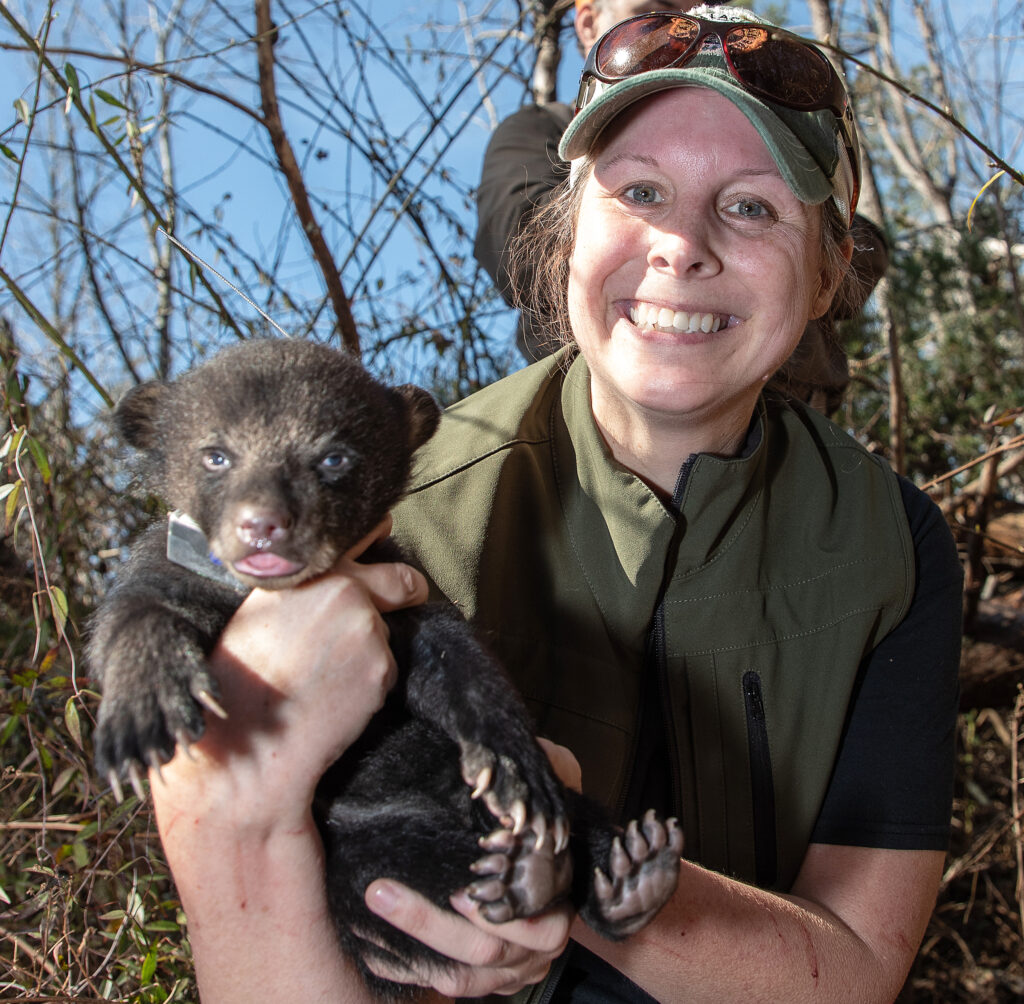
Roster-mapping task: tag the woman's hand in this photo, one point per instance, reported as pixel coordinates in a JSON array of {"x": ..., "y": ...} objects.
[
  {"x": 487, "y": 958},
  {"x": 301, "y": 671},
  {"x": 564, "y": 763}
]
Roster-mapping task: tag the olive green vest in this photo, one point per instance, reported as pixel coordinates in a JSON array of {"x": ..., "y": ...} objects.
[{"x": 782, "y": 569}]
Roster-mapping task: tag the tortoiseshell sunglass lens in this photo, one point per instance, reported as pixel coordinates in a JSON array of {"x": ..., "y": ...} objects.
[
  {"x": 779, "y": 68},
  {"x": 645, "y": 43}
]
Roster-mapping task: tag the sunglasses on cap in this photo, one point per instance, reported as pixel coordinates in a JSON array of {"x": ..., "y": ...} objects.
[{"x": 768, "y": 62}]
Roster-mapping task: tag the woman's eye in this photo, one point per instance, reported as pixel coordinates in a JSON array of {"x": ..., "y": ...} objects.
[
  {"x": 749, "y": 209},
  {"x": 643, "y": 194},
  {"x": 215, "y": 460}
]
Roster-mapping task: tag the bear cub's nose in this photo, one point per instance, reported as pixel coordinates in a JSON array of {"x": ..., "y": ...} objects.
[{"x": 262, "y": 528}]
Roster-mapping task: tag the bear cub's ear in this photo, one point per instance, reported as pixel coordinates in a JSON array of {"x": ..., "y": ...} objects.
[
  {"x": 135, "y": 414},
  {"x": 422, "y": 412}
]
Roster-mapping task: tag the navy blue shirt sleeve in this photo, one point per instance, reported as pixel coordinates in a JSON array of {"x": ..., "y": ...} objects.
[
  {"x": 892, "y": 785},
  {"x": 521, "y": 169}
]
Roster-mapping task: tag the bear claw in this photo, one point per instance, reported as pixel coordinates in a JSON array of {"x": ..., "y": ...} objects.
[
  {"x": 520, "y": 875},
  {"x": 640, "y": 876},
  {"x": 208, "y": 701}
]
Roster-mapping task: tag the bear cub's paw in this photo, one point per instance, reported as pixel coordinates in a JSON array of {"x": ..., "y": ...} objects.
[
  {"x": 499, "y": 781},
  {"x": 148, "y": 711},
  {"x": 522, "y": 873},
  {"x": 643, "y": 869}
]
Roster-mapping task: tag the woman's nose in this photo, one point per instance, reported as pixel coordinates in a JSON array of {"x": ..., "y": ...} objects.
[{"x": 683, "y": 249}]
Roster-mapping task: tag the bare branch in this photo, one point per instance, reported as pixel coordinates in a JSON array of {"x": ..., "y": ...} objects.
[
  {"x": 547, "y": 23},
  {"x": 265, "y": 36}
]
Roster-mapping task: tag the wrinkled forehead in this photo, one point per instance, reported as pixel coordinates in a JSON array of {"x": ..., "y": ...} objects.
[
  {"x": 609, "y": 12},
  {"x": 627, "y": 8}
]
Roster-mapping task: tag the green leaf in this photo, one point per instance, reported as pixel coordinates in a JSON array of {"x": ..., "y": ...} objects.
[
  {"x": 109, "y": 98},
  {"x": 8, "y": 730},
  {"x": 11, "y": 508},
  {"x": 9, "y": 153},
  {"x": 59, "y": 606},
  {"x": 72, "y": 722},
  {"x": 164, "y": 927},
  {"x": 39, "y": 456},
  {"x": 72, "y": 78},
  {"x": 74, "y": 92},
  {"x": 65, "y": 776},
  {"x": 80, "y": 854},
  {"x": 12, "y": 441},
  {"x": 148, "y": 967}
]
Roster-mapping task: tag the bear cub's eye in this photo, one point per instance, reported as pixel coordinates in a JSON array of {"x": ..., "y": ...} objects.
[
  {"x": 216, "y": 460},
  {"x": 333, "y": 465}
]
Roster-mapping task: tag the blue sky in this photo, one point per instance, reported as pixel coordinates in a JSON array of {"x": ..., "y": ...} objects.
[{"x": 219, "y": 181}]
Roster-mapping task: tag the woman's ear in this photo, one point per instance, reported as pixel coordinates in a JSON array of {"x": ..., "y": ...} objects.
[
  {"x": 830, "y": 279},
  {"x": 586, "y": 26}
]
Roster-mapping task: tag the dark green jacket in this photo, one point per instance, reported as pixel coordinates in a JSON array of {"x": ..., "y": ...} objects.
[{"x": 751, "y": 607}]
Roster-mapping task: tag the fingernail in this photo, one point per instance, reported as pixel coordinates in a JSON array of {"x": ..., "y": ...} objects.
[
  {"x": 462, "y": 902},
  {"x": 382, "y": 898}
]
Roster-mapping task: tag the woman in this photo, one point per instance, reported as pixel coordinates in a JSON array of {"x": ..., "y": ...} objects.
[{"x": 718, "y": 602}]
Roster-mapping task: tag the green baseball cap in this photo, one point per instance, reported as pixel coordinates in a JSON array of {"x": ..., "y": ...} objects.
[{"x": 816, "y": 151}]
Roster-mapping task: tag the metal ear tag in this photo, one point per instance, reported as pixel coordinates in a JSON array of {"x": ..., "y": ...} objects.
[{"x": 187, "y": 546}]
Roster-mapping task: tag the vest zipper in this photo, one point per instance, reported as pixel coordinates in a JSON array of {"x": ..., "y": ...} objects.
[
  {"x": 655, "y": 712},
  {"x": 671, "y": 739},
  {"x": 655, "y": 668},
  {"x": 661, "y": 662},
  {"x": 762, "y": 785},
  {"x": 544, "y": 991}
]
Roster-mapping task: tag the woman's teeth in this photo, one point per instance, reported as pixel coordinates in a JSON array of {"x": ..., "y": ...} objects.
[{"x": 647, "y": 316}]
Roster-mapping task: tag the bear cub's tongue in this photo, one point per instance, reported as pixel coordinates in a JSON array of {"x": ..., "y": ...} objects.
[{"x": 267, "y": 566}]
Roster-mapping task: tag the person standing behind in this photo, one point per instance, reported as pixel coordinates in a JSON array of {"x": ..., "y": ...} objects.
[{"x": 522, "y": 168}]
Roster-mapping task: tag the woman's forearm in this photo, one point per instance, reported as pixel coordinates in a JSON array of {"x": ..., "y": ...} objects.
[
  {"x": 257, "y": 913},
  {"x": 235, "y": 811},
  {"x": 720, "y": 940}
]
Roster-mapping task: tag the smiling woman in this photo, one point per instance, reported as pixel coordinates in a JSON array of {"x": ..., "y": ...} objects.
[
  {"x": 715, "y": 601},
  {"x": 693, "y": 228}
]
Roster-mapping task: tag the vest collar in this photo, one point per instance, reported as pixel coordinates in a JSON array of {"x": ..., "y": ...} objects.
[{"x": 625, "y": 538}]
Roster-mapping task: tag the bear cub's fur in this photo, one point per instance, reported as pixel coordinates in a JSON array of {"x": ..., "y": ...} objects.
[{"x": 286, "y": 453}]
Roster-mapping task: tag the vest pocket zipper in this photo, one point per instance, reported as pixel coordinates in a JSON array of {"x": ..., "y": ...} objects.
[{"x": 762, "y": 786}]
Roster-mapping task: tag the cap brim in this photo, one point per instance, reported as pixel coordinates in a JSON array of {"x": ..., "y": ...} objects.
[{"x": 798, "y": 168}]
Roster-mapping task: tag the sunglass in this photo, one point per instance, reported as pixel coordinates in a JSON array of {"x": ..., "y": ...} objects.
[
  {"x": 767, "y": 61},
  {"x": 770, "y": 63}
]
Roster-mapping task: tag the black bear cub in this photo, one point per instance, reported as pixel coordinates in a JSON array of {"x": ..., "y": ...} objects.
[{"x": 286, "y": 453}]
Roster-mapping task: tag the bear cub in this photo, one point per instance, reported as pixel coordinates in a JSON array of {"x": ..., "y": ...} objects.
[{"x": 285, "y": 454}]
